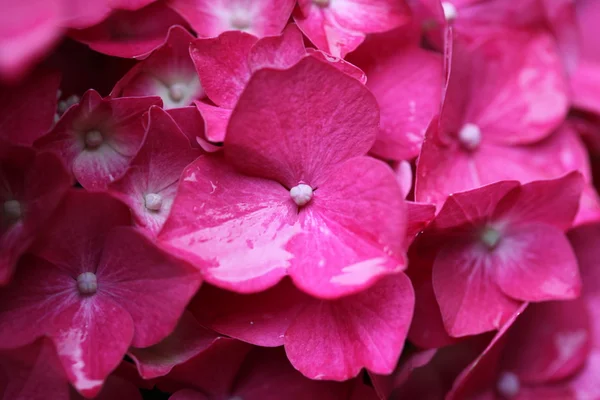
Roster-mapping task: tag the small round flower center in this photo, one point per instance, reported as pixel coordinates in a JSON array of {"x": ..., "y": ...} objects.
[
  {"x": 470, "y": 136},
  {"x": 301, "y": 194},
  {"x": 153, "y": 201},
  {"x": 490, "y": 237},
  {"x": 321, "y": 3},
  {"x": 87, "y": 283},
  {"x": 508, "y": 385},
  {"x": 450, "y": 11},
  {"x": 240, "y": 21},
  {"x": 177, "y": 92},
  {"x": 12, "y": 210},
  {"x": 93, "y": 139}
]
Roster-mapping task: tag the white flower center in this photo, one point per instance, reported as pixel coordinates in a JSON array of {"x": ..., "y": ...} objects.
[
  {"x": 450, "y": 11},
  {"x": 301, "y": 194},
  {"x": 12, "y": 210},
  {"x": 240, "y": 20},
  {"x": 321, "y": 3},
  {"x": 470, "y": 136},
  {"x": 153, "y": 201},
  {"x": 490, "y": 237},
  {"x": 508, "y": 385},
  {"x": 93, "y": 139},
  {"x": 177, "y": 92},
  {"x": 87, "y": 283}
]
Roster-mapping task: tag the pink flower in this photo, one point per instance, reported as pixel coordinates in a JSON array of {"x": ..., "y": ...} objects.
[
  {"x": 323, "y": 339},
  {"x": 168, "y": 73},
  {"x": 294, "y": 194},
  {"x": 94, "y": 287},
  {"x": 500, "y": 245},
  {"x": 340, "y": 26},
  {"x": 98, "y": 137},
  {"x": 210, "y": 18},
  {"x": 32, "y": 186},
  {"x": 149, "y": 185}
]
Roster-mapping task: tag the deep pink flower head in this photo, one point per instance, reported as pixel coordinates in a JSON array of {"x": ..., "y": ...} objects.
[
  {"x": 168, "y": 73},
  {"x": 149, "y": 185},
  {"x": 294, "y": 194},
  {"x": 33, "y": 372},
  {"x": 32, "y": 187},
  {"x": 130, "y": 34},
  {"x": 501, "y": 105},
  {"x": 340, "y": 26},
  {"x": 318, "y": 342},
  {"x": 226, "y": 63},
  {"x": 210, "y": 18},
  {"x": 27, "y": 110},
  {"x": 95, "y": 287},
  {"x": 500, "y": 245},
  {"x": 230, "y": 369},
  {"x": 552, "y": 350},
  {"x": 407, "y": 83},
  {"x": 98, "y": 137}
]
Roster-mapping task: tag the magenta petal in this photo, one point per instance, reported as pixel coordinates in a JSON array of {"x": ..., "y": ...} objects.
[
  {"x": 419, "y": 216},
  {"x": 91, "y": 337},
  {"x": 260, "y": 318},
  {"x": 352, "y": 231},
  {"x": 216, "y": 120},
  {"x": 536, "y": 263},
  {"x": 32, "y": 373},
  {"x": 153, "y": 286},
  {"x": 169, "y": 73},
  {"x": 233, "y": 227},
  {"x": 464, "y": 284},
  {"x": 190, "y": 122},
  {"x": 339, "y": 63},
  {"x": 117, "y": 388},
  {"x": 149, "y": 184},
  {"x": 130, "y": 34},
  {"x": 222, "y": 65},
  {"x": 187, "y": 340},
  {"x": 363, "y": 330},
  {"x": 266, "y": 138},
  {"x": 188, "y": 394},
  {"x": 280, "y": 52},
  {"x": 27, "y": 110}
]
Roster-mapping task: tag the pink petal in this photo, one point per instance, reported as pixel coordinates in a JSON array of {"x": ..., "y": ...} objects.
[
  {"x": 215, "y": 119},
  {"x": 168, "y": 73},
  {"x": 37, "y": 182},
  {"x": 549, "y": 342},
  {"x": 233, "y": 227},
  {"x": 553, "y": 202},
  {"x": 350, "y": 235},
  {"x": 187, "y": 394},
  {"x": 32, "y": 373},
  {"x": 261, "y": 318},
  {"x": 469, "y": 297},
  {"x": 28, "y": 109},
  {"x": 222, "y": 65},
  {"x": 155, "y": 171},
  {"x": 79, "y": 230},
  {"x": 130, "y": 34},
  {"x": 154, "y": 287},
  {"x": 407, "y": 84},
  {"x": 187, "y": 340},
  {"x": 190, "y": 122},
  {"x": 117, "y": 388},
  {"x": 536, "y": 263},
  {"x": 210, "y": 18},
  {"x": 364, "y": 330},
  {"x": 419, "y": 216},
  {"x": 91, "y": 337},
  {"x": 265, "y": 137},
  {"x": 279, "y": 52},
  {"x": 339, "y": 63}
]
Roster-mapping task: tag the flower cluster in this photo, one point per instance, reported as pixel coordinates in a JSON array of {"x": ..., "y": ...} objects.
[{"x": 291, "y": 200}]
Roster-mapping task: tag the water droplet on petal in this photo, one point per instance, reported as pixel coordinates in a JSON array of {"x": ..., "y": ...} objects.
[
  {"x": 87, "y": 283},
  {"x": 301, "y": 194}
]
